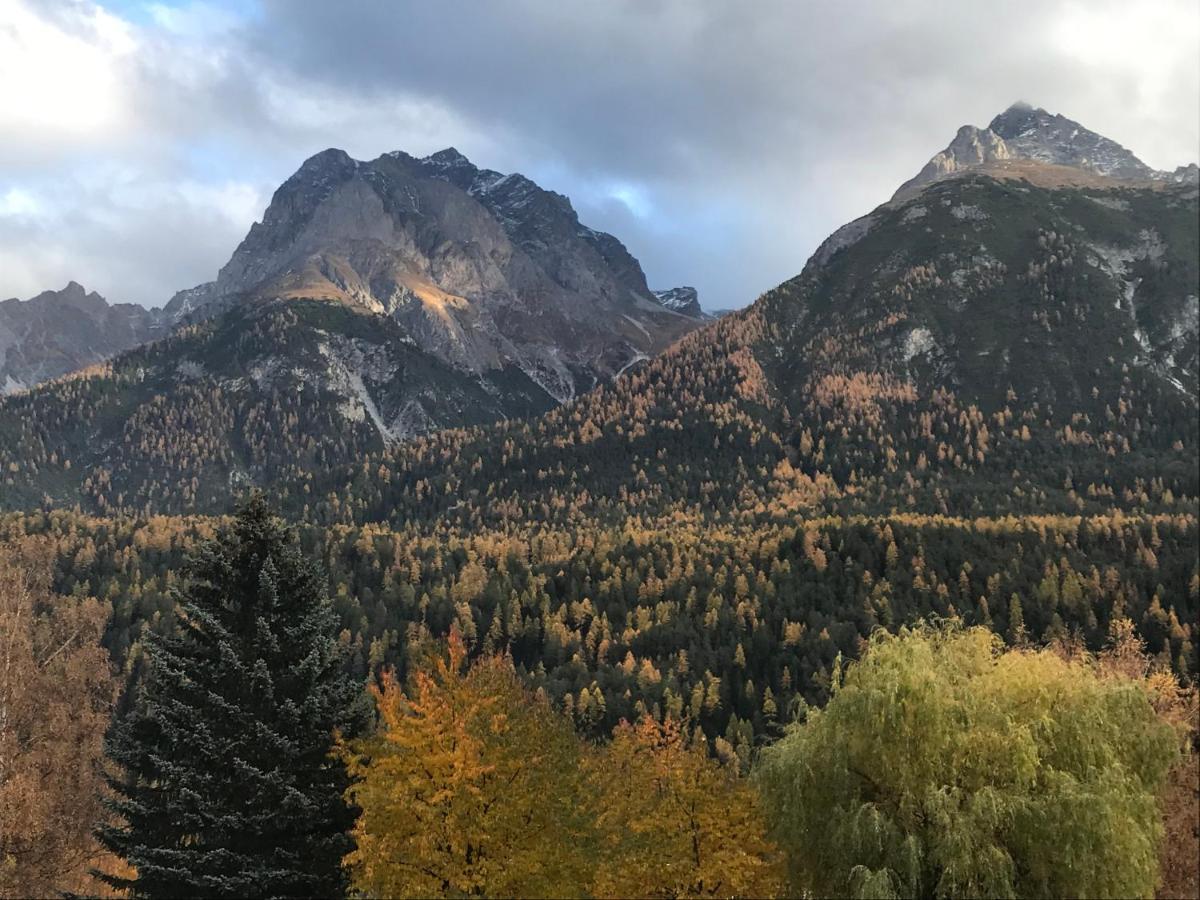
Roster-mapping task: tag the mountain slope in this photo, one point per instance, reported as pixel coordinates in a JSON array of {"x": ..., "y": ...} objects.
[
  {"x": 57, "y": 332},
  {"x": 260, "y": 394},
  {"x": 991, "y": 345}
]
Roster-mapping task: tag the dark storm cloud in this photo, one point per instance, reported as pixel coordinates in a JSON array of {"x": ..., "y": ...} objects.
[{"x": 721, "y": 142}]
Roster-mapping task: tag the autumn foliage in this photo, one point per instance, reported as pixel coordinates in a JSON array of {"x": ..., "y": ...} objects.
[
  {"x": 675, "y": 822},
  {"x": 476, "y": 787},
  {"x": 56, "y": 690},
  {"x": 472, "y": 788}
]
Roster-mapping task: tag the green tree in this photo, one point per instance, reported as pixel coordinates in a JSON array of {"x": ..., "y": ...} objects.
[
  {"x": 943, "y": 766},
  {"x": 228, "y": 786}
]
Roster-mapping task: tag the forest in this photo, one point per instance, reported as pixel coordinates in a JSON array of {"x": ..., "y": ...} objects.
[{"x": 531, "y": 714}]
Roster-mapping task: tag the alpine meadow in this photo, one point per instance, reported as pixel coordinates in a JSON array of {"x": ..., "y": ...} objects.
[{"x": 842, "y": 542}]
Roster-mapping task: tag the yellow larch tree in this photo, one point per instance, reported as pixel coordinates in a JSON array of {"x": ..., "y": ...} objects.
[
  {"x": 472, "y": 788},
  {"x": 674, "y": 822}
]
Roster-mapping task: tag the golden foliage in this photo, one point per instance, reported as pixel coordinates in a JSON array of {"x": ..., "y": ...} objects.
[
  {"x": 56, "y": 689},
  {"x": 676, "y": 823},
  {"x": 470, "y": 789}
]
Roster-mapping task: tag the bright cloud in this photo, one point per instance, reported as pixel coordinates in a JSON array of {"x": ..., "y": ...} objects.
[{"x": 61, "y": 79}]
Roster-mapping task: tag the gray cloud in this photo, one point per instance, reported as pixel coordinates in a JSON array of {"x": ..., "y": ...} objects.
[{"x": 720, "y": 141}]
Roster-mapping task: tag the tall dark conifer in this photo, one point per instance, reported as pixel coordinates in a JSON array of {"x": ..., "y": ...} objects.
[{"x": 229, "y": 788}]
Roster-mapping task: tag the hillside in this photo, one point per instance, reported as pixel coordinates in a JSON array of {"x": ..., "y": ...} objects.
[{"x": 988, "y": 347}]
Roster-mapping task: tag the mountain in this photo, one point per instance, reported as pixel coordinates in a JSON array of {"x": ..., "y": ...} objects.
[
  {"x": 1064, "y": 150},
  {"x": 484, "y": 271},
  {"x": 995, "y": 343},
  {"x": 57, "y": 332},
  {"x": 977, "y": 402},
  {"x": 998, "y": 342},
  {"x": 374, "y": 302}
]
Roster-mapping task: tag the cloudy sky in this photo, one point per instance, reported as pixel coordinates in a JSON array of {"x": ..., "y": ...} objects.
[{"x": 721, "y": 141}]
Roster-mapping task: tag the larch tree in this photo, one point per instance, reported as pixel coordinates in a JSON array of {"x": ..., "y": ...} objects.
[
  {"x": 56, "y": 690},
  {"x": 944, "y": 766},
  {"x": 227, "y": 784},
  {"x": 472, "y": 788},
  {"x": 674, "y": 822}
]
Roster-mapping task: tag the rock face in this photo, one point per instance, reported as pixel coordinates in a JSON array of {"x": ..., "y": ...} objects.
[
  {"x": 57, "y": 332},
  {"x": 683, "y": 299},
  {"x": 483, "y": 270},
  {"x": 1024, "y": 134}
]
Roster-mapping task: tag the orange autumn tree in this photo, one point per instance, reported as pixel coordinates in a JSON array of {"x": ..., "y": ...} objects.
[
  {"x": 56, "y": 690},
  {"x": 472, "y": 788},
  {"x": 674, "y": 822}
]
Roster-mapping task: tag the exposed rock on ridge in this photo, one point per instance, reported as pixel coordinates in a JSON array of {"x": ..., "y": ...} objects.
[
  {"x": 483, "y": 270},
  {"x": 682, "y": 299},
  {"x": 1026, "y": 134}
]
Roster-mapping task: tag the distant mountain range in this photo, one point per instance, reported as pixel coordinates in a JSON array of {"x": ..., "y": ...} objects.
[{"x": 1015, "y": 330}]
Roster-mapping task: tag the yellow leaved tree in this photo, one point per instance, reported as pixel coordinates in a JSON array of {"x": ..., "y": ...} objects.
[
  {"x": 471, "y": 788},
  {"x": 674, "y": 822}
]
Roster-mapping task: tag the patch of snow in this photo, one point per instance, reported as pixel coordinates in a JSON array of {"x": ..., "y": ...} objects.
[
  {"x": 1176, "y": 383},
  {"x": 12, "y": 385}
]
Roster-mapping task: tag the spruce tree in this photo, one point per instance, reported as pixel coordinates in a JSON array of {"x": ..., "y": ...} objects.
[{"x": 227, "y": 785}]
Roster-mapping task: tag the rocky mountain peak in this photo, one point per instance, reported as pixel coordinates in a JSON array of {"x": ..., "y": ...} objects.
[
  {"x": 481, "y": 269},
  {"x": 57, "y": 332},
  {"x": 331, "y": 158},
  {"x": 1033, "y": 133},
  {"x": 448, "y": 157},
  {"x": 1024, "y": 133}
]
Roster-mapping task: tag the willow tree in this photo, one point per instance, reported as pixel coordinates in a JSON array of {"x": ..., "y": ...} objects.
[{"x": 945, "y": 766}]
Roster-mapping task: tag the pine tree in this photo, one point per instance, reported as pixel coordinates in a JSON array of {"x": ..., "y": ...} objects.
[{"x": 229, "y": 785}]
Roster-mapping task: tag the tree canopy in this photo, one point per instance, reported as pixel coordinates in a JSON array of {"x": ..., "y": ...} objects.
[{"x": 944, "y": 766}]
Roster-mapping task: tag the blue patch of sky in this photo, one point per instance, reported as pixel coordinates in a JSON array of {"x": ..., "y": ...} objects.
[{"x": 146, "y": 13}]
